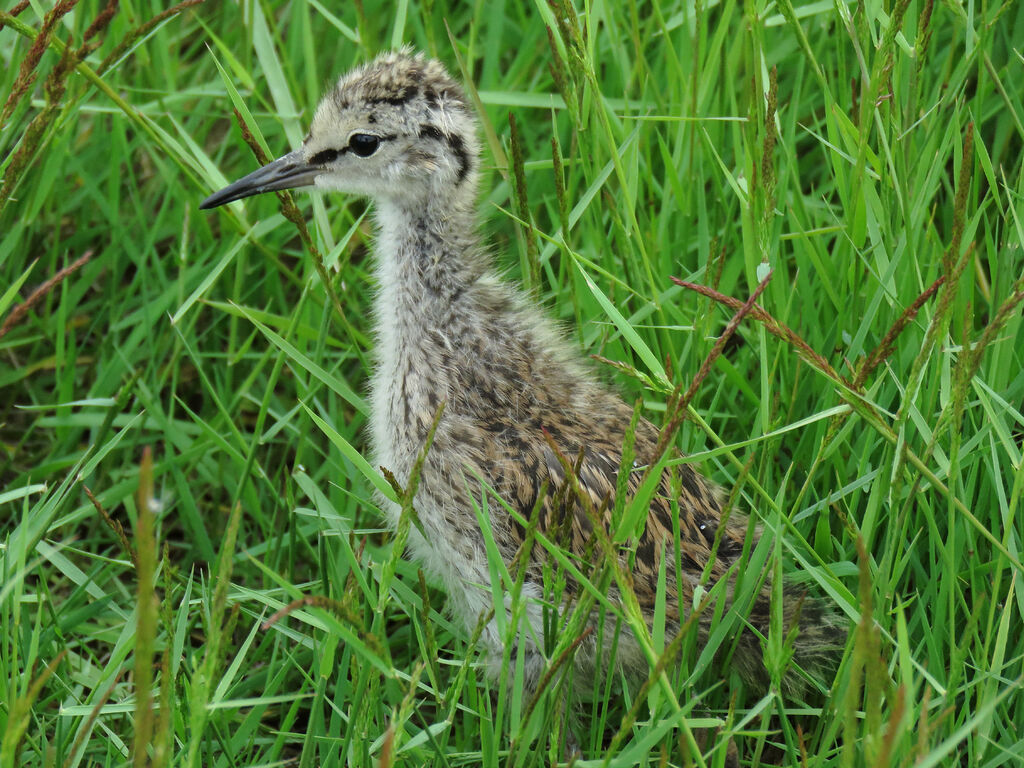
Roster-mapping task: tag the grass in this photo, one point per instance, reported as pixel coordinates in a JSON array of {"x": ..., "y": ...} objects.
[{"x": 192, "y": 565}]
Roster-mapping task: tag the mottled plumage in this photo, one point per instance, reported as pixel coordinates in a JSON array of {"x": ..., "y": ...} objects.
[{"x": 518, "y": 401}]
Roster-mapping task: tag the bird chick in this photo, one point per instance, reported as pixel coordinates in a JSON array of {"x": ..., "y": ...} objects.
[{"x": 523, "y": 415}]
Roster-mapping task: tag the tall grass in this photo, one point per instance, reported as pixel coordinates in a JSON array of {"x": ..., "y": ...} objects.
[{"x": 192, "y": 564}]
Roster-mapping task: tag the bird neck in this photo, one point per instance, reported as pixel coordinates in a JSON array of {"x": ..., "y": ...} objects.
[
  {"x": 428, "y": 263},
  {"x": 428, "y": 252}
]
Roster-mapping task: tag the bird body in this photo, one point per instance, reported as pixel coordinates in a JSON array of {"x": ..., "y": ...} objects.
[{"x": 520, "y": 406}]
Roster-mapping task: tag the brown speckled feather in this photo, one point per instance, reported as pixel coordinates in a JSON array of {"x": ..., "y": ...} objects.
[
  {"x": 697, "y": 512},
  {"x": 708, "y": 547}
]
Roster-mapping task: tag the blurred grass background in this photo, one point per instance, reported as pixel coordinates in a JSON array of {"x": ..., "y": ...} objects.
[{"x": 181, "y": 412}]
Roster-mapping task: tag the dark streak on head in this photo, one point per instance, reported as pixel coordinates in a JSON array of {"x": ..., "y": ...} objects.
[
  {"x": 325, "y": 156},
  {"x": 430, "y": 131},
  {"x": 457, "y": 146},
  {"x": 398, "y": 99}
]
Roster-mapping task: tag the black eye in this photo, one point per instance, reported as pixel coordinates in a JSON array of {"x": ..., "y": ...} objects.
[{"x": 363, "y": 144}]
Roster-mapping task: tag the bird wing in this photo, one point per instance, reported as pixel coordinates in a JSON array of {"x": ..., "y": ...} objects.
[{"x": 570, "y": 511}]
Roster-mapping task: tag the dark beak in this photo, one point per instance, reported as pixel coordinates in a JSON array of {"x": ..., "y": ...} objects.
[{"x": 286, "y": 172}]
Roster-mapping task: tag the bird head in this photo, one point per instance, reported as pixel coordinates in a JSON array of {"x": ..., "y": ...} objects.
[{"x": 398, "y": 129}]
